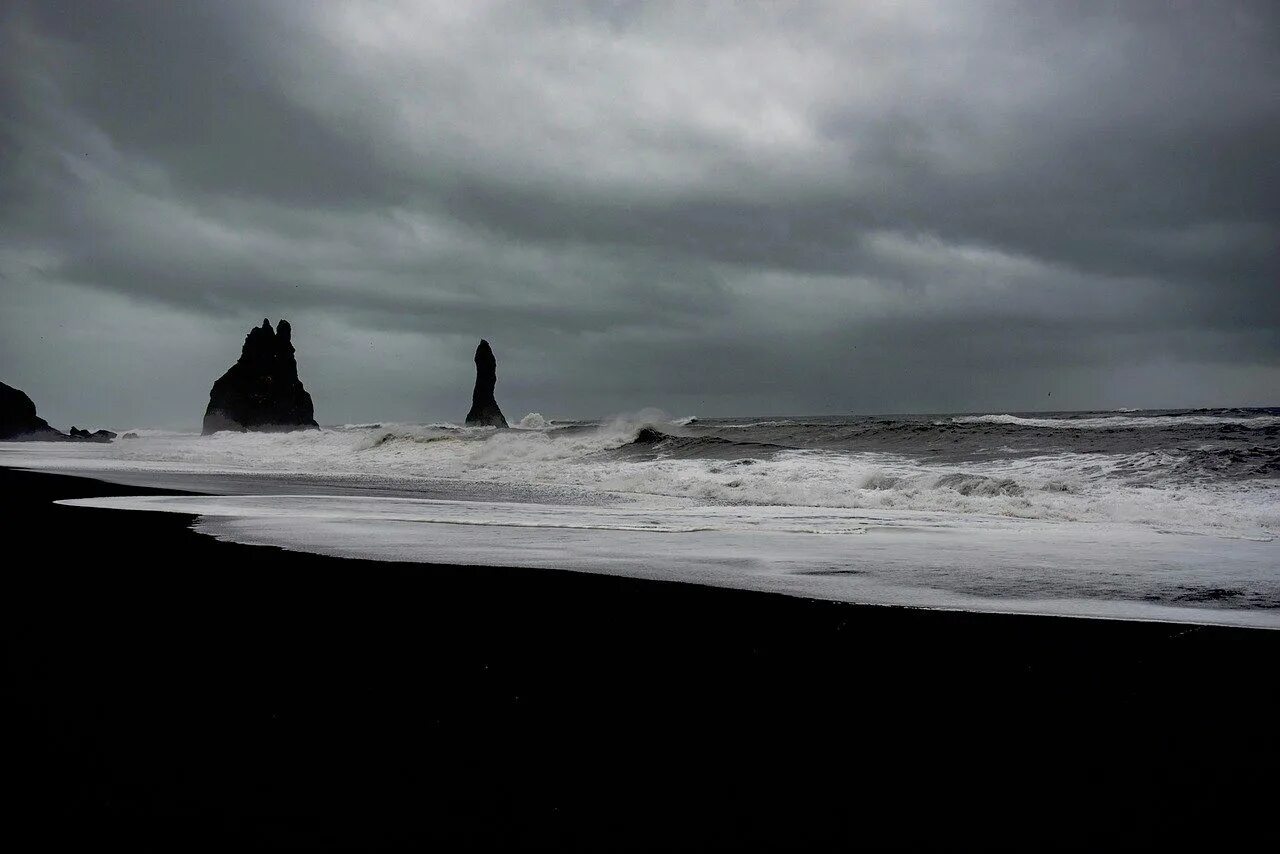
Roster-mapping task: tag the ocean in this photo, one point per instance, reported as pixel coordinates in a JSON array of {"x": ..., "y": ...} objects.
[{"x": 1145, "y": 514}]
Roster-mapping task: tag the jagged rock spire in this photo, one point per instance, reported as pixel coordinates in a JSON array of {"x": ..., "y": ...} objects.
[{"x": 261, "y": 391}]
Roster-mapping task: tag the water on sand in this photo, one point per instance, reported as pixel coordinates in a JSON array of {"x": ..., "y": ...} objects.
[{"x": 1149, "y": 515}]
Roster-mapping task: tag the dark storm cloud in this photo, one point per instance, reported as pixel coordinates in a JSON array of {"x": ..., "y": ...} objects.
[{"x": 722, "y": 207}]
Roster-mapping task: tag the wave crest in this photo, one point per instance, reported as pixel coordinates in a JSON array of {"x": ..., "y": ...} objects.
[{"x": 1114, "y": 422}]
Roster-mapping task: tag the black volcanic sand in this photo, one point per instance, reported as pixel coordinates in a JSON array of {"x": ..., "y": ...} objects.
[{"x": 166, "y": 689}]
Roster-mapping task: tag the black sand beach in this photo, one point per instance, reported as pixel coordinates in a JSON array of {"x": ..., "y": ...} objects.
[{"x": 166, "y": 689}]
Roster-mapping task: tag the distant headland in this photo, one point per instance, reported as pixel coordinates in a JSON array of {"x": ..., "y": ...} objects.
[{"x": 19, "y": 422}]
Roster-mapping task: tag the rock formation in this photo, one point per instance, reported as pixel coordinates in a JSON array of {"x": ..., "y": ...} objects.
[
  {"x": 484, "y": 409},
  {"x": 19, "y": 422},
  {"x": 649, "y": 436},
  {"x": 18, "y": 419},
  {"x": 261, "y": 391},
  {"x": 95, "y": 436}
]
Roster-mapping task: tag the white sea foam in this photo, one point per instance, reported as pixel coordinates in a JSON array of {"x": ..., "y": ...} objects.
[
  {"x": 780, "y": 423},
  {"x": 533, "y": 421},
  {"x": 1113, "y": 422},
  {"x": 565, "y": 465},
  {"x": 878, "y": 557},
  {"x": 1063, "y": 532}
]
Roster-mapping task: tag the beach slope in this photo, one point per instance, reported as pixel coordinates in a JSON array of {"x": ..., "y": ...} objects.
[{"x": 165, "y": 688}]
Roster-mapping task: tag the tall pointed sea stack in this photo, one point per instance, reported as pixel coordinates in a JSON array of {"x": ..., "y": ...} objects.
[
  {"x": 484, "y": 409},
  {"x": 261, "y": 391}
]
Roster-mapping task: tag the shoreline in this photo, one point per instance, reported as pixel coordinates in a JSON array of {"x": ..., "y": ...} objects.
[
  {"x": 202, "y": 690},
  {"x": 134, "y": 484}
]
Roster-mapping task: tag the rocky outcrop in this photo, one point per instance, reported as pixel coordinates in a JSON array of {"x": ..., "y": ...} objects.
[
  {"x": 261, "y": 391},
  {"x": 19, "y": 422},
  {"x": 484, "y": 409},
  {"x": 18, "y": 419},
  {"x": 95, "y": 436},
  {"x": 649, "y": 436}
]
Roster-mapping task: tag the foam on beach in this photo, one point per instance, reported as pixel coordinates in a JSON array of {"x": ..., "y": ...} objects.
[{"x": 980, "y": 518}]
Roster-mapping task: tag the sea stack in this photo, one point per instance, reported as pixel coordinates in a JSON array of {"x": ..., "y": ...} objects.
[
  {"x": 18, "y": 419},
  {"x": 261, "y": 391},
  {"x": 484, "y": 409}
]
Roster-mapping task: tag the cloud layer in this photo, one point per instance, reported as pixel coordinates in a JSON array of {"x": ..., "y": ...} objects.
[{"x": 725, "y": 208}]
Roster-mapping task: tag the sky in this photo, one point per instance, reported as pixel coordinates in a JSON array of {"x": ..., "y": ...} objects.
[{"x": 709, "y": 208}]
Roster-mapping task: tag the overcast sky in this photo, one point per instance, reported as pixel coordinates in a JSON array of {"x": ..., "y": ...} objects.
[{"x": 719, "y": 208}]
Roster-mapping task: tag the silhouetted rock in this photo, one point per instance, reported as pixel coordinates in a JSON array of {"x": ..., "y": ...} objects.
[
  {"x": 649, "y": 436},
  {"x": 129, "y": 435},
  {"x": 484, "y": 409},
  {"x": 261, "y": 391},
  {"x": 19, "y": 422},
  {"x": 95, "y": 436},
  {"x": 18, "y": 419}
]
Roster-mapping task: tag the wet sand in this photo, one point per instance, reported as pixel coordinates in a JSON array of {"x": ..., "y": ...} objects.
[{"x": 167, "y": 689}]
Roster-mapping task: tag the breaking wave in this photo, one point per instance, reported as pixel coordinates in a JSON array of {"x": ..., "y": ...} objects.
[
  {"x": 1229, "y": 489},
  {"x": 1123, "y": 510},
  {"x": 1121, "y": 422}
]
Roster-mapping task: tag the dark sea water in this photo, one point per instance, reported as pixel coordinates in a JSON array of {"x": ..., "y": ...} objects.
[{"x": 1167, "y": 444}]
